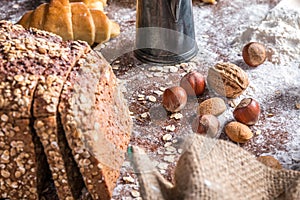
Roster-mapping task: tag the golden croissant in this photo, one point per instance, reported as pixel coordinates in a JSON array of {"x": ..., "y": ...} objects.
[
  {"x": 93, "y": 4},
  {"x": 80, "y": 20}
]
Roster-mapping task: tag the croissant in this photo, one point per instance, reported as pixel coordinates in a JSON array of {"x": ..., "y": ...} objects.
[
  {"x": 93, "y": 4},
  {"x": 73, "y": 21}
]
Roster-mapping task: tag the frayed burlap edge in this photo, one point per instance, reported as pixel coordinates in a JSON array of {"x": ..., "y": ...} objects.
[{"x": 215, "y": 169}]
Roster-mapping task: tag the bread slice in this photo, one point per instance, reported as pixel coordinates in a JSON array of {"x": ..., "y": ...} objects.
[
  {"x": 96, "y": 122},
  {"x": 22, "y": 62},
  {"x": 17, "y": 159},
  {"x": 24, "y": 172},
  {"x": 59, "y": 12},
  {"x": 82, "y": 23},
  {"x": 26, "y": 58},
  {"x": 63, "y": 58},
  {"x": 67, "y": 178},
  {"x": 46, "y": 98},
  {"x": 21, "y": 65}
]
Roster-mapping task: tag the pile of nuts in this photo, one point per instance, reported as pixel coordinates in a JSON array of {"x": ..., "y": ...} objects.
[{"x": 227, "y": 80}]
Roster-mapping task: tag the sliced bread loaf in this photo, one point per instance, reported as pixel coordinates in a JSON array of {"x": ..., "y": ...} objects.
[{"x": 96, "y": 123}]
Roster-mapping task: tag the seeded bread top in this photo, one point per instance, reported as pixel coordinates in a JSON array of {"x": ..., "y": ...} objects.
[
  {"x": 25, "y": 55},
  {"x": 18, "y": 166},
  {"x": 50, "y": 84}
]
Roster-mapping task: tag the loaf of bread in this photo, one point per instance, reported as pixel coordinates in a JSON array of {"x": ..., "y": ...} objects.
[
  {"x": 61, "y": 115},
  {"x": 73, "y": 21}
]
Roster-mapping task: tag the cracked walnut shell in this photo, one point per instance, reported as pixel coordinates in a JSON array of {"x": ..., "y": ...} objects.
[{"x": 227, "y": 79}]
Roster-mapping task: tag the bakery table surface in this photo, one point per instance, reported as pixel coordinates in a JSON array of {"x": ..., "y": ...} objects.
[{"x": 275, "y": 86}]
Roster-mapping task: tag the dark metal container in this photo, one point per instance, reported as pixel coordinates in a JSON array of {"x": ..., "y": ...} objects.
[{"x": 165, "y": 31}]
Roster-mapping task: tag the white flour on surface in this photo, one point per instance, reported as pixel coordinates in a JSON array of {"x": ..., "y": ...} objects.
[
  {"x": 280, "y": 32},
  {"x": 279, "y": 79}
]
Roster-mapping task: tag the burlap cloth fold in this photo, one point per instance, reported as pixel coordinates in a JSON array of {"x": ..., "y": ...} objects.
[{"x": 215, "y": 169}]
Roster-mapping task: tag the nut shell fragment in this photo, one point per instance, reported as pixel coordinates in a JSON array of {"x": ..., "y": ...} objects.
[{"x": 270, "y": 161}]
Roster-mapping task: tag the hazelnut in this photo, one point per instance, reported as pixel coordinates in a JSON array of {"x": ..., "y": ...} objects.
[
  {"x": 247, "y": 111},
  {"x": 193, "y": 83},
  {"x": 206, "y": 124},
  {"x": 270, "y": 161},
  {"x": 213, "y": 106},
  {"x": 238, "y": 132},
  {"x": 174, "y": 99},
  {"x": 254, "y": 54}
]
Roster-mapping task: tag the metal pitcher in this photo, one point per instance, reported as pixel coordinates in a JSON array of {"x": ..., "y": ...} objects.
[{"x": 165, "y": 31}]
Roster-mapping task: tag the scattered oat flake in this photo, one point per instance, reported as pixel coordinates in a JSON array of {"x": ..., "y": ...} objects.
[
  {"x": 162, "y": 88},
  {"x": 298, "y": 106},
  {"x": 162, "y": 165},
  {"x": 169, "y": 153},
  {"x": 179, "y": 150},
  {"x": 152, "y": 98},
  {"x": 165, "y": 69},
  {"x": 141, "y": 95},
  {"x": 152, "y": 69},
  {"x": 144, "y": 115},
  {"x": 169, "y": 159},
  {"x": 258, "y": 132},
  {"x": 173, "y": 69},
  {"x": 278, "y": 92},
  {"x": 158, "y": 74},
  {"x": 167, "y": 144},
  {"x": 176, "y": 116},
  {"x": 155, "y": 69},
  {"x": 232, "y": 104},
  {"x": 167, "y": 137},
  {"x": 158, "y": 92},
  {"x": 16, "y": 6},
  {"x": 128, "y": 179},
  {"x": 171, "y": 149},
  {"x": 115, "y": 67},
  {"x": 170, "y": 128},
  {"x": 174, "y": 141},
  {"x": 135, "y": 193},
  {"x": 160, "y": 152},
  {"x": 149, "y": 75}
]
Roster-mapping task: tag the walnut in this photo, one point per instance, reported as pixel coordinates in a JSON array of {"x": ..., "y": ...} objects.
[{"x": 227, "y": 79}]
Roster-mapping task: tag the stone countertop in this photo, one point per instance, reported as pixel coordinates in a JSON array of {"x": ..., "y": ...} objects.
[{"x": 159, "y": 133}]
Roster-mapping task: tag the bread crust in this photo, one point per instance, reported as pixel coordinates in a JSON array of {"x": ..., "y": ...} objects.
[{"x": 97, "y": 134}]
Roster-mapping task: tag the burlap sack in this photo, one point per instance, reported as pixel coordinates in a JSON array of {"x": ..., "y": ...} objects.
[{"x": 215, "y": 169}]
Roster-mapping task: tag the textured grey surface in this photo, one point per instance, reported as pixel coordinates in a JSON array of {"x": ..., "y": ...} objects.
[
  {"x": 13, "y": 10},
  {"x": 216, "y": 26}
]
